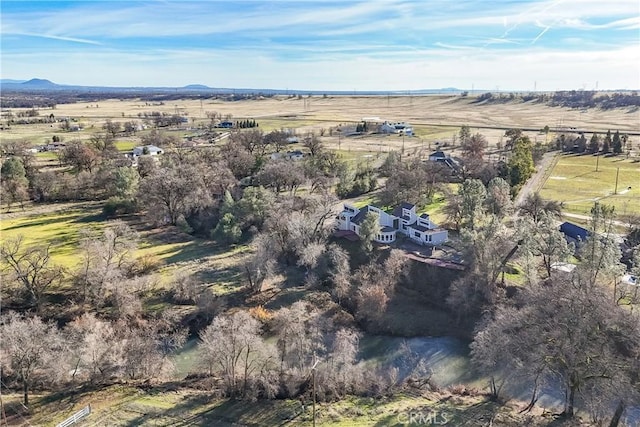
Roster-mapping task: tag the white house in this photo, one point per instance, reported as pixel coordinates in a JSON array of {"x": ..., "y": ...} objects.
[
  {"x": 151, "y": 150},
  {"x": 403, "y": 219},
  {"x": 399, "y": 128}
]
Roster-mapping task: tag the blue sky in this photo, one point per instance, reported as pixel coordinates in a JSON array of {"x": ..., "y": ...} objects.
[{"x": 326, "y": 45}]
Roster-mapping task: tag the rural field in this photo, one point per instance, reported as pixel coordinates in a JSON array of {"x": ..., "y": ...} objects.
[
  {"x": 575, "y": 183},
  {"x": 434, "y": 117},
  {"x": 220, "y": 271}
]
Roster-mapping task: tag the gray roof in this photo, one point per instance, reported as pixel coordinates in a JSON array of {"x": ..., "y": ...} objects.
[
  {"x": 397, "y": 211},
  {"x": 360, "y": 216},
  {"x": 439, "y": 154}
]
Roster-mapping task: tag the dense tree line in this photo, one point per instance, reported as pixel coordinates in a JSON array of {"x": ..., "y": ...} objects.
[
  {"x": 568, "y": 331},
  {"x": 570, "y": 99}
]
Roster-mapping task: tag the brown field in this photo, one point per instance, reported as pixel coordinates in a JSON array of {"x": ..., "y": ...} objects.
[{"x": 435, "y": 118}]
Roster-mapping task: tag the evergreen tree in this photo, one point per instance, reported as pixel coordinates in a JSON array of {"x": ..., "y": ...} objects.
[
  {"x": 369, "y": 229},
  {"x": 521, "y": 163},
  {"x": 606, "y": 144},
  {"x": 617, "y": 143}
]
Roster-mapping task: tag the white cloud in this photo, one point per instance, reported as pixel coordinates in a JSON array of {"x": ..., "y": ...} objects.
[{"x": 515, "y": 69}]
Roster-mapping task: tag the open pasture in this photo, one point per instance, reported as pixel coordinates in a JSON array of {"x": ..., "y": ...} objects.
[
  {"x": 575, "y": 183},
  {"x": 434, "y": 117}
]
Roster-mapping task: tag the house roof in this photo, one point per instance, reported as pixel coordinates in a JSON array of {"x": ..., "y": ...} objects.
[
  {"x": 388, "y": 229},
  {"x": 150, "y": 148},
  {"x": 420, "y": 228},
  {"x": 397, "y": 211},
  {"x": 360, "y": 216},
  {"x": 439, "y": 154},
  {"x": 574, "y": 231}
]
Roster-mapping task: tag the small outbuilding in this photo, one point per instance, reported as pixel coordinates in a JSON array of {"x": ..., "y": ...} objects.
[{"x": 574, "y": 231}]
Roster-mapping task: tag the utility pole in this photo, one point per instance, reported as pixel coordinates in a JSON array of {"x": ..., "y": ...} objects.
[
  {"x": 617, "y": 173},
  {"x": 313, "y": 380}
]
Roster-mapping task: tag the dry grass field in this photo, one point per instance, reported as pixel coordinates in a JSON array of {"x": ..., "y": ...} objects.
[{"x": 434, "y": 117}]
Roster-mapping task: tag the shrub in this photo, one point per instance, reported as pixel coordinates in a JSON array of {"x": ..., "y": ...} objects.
[
  {"x": 115, "y": 206},
  {"x": 260, "y": 313},
  {"x": 146, "y": 264}
]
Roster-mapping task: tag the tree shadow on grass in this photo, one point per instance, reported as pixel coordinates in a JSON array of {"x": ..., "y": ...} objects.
[
  {"x": 204, "y": 410},
  {"x": 191, "y": 251}
]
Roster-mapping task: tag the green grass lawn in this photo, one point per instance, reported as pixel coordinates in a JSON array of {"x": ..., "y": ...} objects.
[
  {"x": 125, "y": 145},
  {"x": 59, "y": 229},
  {"x": 575, "y": 183},
  {"x": 62, "y": 230},
  {"x": 128, "y": 406}
]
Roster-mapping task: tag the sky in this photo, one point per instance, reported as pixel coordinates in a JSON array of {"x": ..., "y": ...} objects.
[{"x": 346, "y": 45}]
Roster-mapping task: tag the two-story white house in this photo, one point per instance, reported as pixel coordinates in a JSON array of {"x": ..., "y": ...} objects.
[{"x": 403, "y": 219}]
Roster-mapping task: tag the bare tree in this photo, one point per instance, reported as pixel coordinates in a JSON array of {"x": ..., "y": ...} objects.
[
  {"x": 168, "y": 193},
  {"x": 100, "y": 348},
  {"x": 261, "y": 264},
  {"x": 488, "y": 248},
  {"x": 534, "y": 205},
  {"x": 300, "y": 335},
  {"x": 569, "y": 330},
  {"x": 339, "y": 271},
  {"x": 29, "y": 348},
  {"x": 80, "y": 156},
  {"x": 105, "y": 259},
  {"x": 544, "y": 240},
  {"x": 282, "y": 175},
  {"x": 232, "y": 347},
  {"x": 31, "y": 268},
  {"x": 600, "y": 254},
  {"x": 313, "y": 144},
  {"x": 112, "y": 128}
]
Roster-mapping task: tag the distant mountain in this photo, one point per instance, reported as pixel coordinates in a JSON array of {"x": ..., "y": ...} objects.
[
  {"x": 39, "y": 83},
  {"x": 44, "y": 85},
  {"x": 196, "y": 87}
]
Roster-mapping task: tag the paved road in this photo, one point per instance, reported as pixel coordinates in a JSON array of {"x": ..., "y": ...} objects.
[{"x": 534, "y": 182}]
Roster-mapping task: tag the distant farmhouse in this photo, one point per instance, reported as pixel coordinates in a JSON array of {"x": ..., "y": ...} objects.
[
  {"x": 150, "y": 150},
  {"x": 403, "y": 219},
  {"x": 401, "y": 128}
]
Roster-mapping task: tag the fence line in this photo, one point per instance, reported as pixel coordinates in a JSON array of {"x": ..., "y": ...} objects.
[{"x": 84, "y": 412}]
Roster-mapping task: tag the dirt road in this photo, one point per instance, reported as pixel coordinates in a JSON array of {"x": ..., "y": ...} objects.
[{"x": 535, "y": 182}]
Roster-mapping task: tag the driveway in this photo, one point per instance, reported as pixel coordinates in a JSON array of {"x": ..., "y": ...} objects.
[{"x": 535, "y": 182}]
